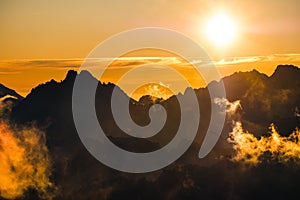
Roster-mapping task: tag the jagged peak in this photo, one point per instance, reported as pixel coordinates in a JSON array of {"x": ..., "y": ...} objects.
[
  {"x": 285, "y": 69},
  {"x": 71, "y": 75},
  {"x": 7, "y": 91},
  {"x": 85, "y": 73}
]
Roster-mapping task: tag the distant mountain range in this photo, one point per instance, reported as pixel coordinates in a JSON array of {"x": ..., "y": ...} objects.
[{"x": 264, "y": 100}]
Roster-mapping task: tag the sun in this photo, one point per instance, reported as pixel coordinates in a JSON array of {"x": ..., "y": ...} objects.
[{"x": 220, "y": 29}]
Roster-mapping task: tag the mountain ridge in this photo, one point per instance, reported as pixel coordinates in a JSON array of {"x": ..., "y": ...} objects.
[
  {"x": 235, "y": 86},
  {"x": 264, "y": 100}
]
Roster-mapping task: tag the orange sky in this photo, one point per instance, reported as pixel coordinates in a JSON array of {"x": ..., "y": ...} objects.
[
  {"x": 23, "y": 75},
  {"x": 40, "y": 39}
]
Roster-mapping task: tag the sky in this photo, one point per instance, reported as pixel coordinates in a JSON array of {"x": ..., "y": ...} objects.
[{"x": 63, "y": 31}]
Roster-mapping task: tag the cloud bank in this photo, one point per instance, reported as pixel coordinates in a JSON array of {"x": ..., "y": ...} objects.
[
  {"x": 25, "y": 162},
  {"x": 252, "y": 150}
]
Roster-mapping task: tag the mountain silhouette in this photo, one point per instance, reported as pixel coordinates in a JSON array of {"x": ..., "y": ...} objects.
[
  {"x": 8, "y": 99},
  {"x": 264, "y": 100},
  {"x": 5, "y": 91}
]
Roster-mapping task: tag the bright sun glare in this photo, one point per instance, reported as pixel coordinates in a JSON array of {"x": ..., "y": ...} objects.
[{"x": 220, "y": 29}]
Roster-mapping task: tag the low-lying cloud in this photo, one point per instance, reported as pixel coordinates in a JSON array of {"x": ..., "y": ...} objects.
[
  {"x": 25, "y": 162},
  {"x": 229, "y": 107},
  {"x": 252, "y": 150}
]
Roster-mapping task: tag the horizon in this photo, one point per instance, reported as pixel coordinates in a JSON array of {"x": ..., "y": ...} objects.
[
  {"x": 60, "y": 67},
  {"x": 141, "y": 92}
]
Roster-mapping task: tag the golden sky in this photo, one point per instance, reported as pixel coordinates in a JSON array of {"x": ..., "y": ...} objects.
[{"x": 42, "y": 39}]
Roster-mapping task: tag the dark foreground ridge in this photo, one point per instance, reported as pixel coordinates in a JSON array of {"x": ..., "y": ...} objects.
[{"x": 264, "y": 100}]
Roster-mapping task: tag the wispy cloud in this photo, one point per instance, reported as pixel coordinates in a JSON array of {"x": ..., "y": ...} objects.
[
  {"x": 9, "y": 73},
  {"x": 250, "y": 59},
  {"x": 6, "y": 65}
]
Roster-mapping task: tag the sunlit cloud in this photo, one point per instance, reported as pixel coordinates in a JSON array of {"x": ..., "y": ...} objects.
[
  {"x": 252, "y": 150},
  {"x": 7, "y": 97},
  {"x": 25, "y": 161},
  {"x": 5, "y": 65},
  {"x": 229, "y": 107},
  {"x": 155, "y": 90},
  {"x": 250, "y": 59}
]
